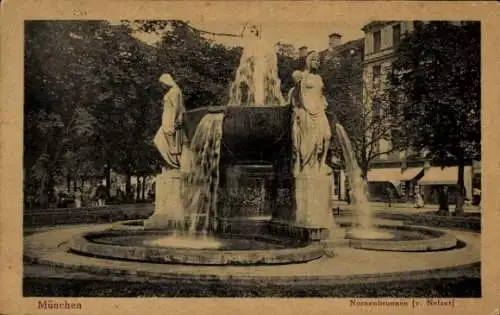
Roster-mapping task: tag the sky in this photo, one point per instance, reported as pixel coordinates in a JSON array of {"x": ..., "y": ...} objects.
[{"x": 312, "y": 34}]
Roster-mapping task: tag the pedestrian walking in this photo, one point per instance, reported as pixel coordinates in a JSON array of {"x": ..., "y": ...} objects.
[
  {"x": 390, "y": 196},
  {"x": 443, "y": 200}
]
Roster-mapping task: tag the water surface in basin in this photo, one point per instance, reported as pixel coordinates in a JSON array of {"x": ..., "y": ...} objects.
[{"x": 199, "y": 242}]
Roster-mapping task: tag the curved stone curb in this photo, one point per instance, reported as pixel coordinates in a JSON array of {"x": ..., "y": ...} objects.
[
  {"x": 439, "y": 241},
  {"x": 82, "y": 244}
]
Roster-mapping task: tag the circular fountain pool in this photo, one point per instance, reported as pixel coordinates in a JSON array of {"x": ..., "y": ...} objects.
[
  {"x": 401, "y": 238},
  {"x": 164, "y": 247}
]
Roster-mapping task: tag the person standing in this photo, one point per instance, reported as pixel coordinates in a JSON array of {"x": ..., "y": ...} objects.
[
  {"x": 443, "y": 200},
  {"x": 476, "y": 197},
  {"x": 419, "y": 201},
  {"x": 101, "y": 195},
  {"x": 78, "y": 198}
]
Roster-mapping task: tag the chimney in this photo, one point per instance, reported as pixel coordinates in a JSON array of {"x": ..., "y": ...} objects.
[{"x": 334, "y": 40}]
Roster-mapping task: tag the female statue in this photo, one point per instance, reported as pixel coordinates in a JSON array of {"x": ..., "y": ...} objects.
[
  {"x": 311, "y": 130},
  {"x": 311, "y": 137},
  {"x": 170, "y": 141},
  {"x": 169, "y": 138}
]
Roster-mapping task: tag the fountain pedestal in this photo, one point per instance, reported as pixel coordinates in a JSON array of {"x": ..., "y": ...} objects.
[
  {"x": 246, "y": 199},
  {"x": 247, "y": 191},
  {"x": 313, "y": 204},
  {"x": 168, "y": 203}
]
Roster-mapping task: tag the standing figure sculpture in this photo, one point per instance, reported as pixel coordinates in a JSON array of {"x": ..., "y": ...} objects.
[
  {"x": 311, "y": 136},
  {"x": 171, "y": 142},
  {"x": 311, "y": 132}
]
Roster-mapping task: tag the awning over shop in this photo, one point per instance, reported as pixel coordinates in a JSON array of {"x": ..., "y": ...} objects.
[
  {"x": 384, "y": 175},
  {"x": 411, "y": 173},
  {"x": 393, "y": 174},
  {"x": 440, "y": 176}
]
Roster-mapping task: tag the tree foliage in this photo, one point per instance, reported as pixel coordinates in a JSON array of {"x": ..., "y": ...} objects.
[
  {"x": 437, "y": 70},
  {"x": 92, "y": 97},
  {"x": 437, "y": 73}
]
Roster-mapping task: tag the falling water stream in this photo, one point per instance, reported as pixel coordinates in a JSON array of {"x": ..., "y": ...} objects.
[
  {"x": 256, "y": 82},
  {"x": 200, "y": 189},
  {"x": 365, "y": 227}
]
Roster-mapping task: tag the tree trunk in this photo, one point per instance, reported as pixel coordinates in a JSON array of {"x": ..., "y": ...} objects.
[
  {"x": 68, "y": 181},
  {"x": 43, "y": 200},
  {"x": 143, "y": 188},
  {"x": 108, "y": 179},
  {"x": 128, "y": 187},
  {"x": 364, "y": 173},
  {"x": 138, "y": 189},
  {"x": 459, "y": 210}
]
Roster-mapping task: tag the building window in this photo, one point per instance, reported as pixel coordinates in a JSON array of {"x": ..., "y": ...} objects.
[
  {"x": 396, "y": 34},
  {"x": 376, "y": 74},
  {"x": 376, "y": 41}
]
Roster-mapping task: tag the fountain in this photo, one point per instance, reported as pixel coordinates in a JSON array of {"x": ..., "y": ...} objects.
[
  {"x": 237, "y": 194},
  {"x": 233, "y": 200},
  {"x": 237, "y": 202}
]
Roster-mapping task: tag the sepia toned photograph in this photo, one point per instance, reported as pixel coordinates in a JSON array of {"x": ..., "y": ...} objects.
[{"x": 173, "y": 158}]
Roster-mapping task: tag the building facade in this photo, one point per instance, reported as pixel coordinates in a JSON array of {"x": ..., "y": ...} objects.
[{"x": 407, "y": 173}]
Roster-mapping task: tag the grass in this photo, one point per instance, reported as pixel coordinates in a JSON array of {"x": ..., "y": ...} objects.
[{"x": 51, "y": 287}]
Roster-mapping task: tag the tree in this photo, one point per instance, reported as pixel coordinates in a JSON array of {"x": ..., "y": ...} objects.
[
  {"x": 93, "y": 101},
  {"x": 364, "y": 110},
  {"x": 129, "y": 110},
  {"x": 56, "y": 98},
  {"x": 90, "y": 102},
  {"x": 437, "y": 70}
]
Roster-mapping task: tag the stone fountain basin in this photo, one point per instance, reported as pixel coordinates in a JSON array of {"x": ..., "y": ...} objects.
[
  {"x": 405, "y": 239},
  {"x": 248, "y": 132},
  {"x": 234, "y": 249}
]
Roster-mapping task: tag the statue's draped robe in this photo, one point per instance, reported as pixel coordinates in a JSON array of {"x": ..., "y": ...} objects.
[
  {"x": 168, "y": 140},
  {"x": 172, "y": 145},
  {"x": 311, "y": 135},
  {"x": 311, "y": 130}
]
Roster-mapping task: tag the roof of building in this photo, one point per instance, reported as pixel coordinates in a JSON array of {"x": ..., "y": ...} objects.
[
  {"x": 374, "y": 24},
  {"x": 353, "y": 44}
]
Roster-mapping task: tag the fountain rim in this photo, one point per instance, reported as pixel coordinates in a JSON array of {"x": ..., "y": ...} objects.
[
  {"x": 441, "y": 240},
  {"x": 80, "y": 244}
]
